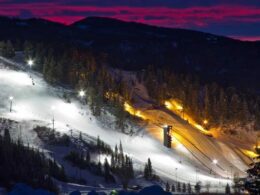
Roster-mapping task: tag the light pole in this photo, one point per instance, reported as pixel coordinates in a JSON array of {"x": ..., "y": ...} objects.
[
  {"x": 196, "y": 174},
  {"x": 30, "y": 63},
  {"x": 11, "y": 102},
  {"x": 231, "y": 170},
  {"x": 81, "y": 94},
  {"x": 53, "y": 108},
  {"x": 176, "y": 176}
]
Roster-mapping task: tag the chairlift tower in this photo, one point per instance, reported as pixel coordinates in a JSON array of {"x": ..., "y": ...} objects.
[{"x": 167, "y": 138}]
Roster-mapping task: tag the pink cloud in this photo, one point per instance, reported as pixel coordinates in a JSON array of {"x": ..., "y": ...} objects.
[
  {"x": 246, "y": 38},
  {"x": 161, "y": 16},
  {"x": 196, "y": 16}
]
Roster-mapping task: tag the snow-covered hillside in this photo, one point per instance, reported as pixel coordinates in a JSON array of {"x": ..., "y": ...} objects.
[{"x": 40, "y": 103}]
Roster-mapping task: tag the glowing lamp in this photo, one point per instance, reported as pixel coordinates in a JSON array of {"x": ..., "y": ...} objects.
[
  {"x": 215, "y": 161},
  {"x": 205, "y": 122},
  {"x": 30, "y": 62},
  {"x": 81, "y": 93}
]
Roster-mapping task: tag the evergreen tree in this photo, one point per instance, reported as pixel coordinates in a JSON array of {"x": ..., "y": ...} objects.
[
  {"x": 189, "y": 188},
  {"x": 178, "y": 187},
  {"x": 7, "y": 137},
  {"x": 112, "y": 161},
  {"x": 197, "y": 187},
  {"x": 148, "y": 170},
  {"x": 116, "y": 156},
  {"x": 80, "y": 136},
  {"x": 10, "y": 53},
  {"x": 28, "y": 49},
  {"x": 184, "y": 188},
  {"x": 252, "y": 183},
  {"x": 106, "y": 170},
  {"x": 167, "y": 187},
  {"x": 98, "y": 143},
  {"x": 7, "y": 49},
  {"x": 227, "y": 189},
  {"x": 99, "y": 168},
  {"x": 173, "y": 188},
  {"x": 88, "y": 157}
]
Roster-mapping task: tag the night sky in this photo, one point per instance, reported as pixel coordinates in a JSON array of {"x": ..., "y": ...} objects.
[{"x": 234, "y": 18}]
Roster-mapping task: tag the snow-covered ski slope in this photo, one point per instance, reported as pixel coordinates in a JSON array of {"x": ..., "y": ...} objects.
[{"x": 35, "y": 103}]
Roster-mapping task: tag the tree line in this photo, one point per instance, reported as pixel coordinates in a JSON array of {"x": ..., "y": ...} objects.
[
  {"x": 120, "y": 164},
  {"x": 221, "y": 106},
  {"x": 79, "y": 68},
  {"x": 28, "y": 165},
  {"x": 76, "y": 67}
]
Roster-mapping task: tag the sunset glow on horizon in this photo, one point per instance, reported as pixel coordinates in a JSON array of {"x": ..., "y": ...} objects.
[{"x": 240, "y": 20}]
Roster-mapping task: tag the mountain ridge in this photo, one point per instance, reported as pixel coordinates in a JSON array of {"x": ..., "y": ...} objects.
[{"x": 135, "y": 46}]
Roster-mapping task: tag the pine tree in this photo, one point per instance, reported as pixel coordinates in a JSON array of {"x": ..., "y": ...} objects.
[
  {"x": 150, "y": 168},
  {"x": 227, "y": 189},
  {"x": 98, "y": 143},
  {"x": 167, "y": 187},
  {"x": 234, "y": 108},
  {"x": 222, "y": 107},
  {"x": 106, "y": 170},
  {"x": 189, "y": 188},
  {"x": 121, "y": 155},
  {"x": 244, "y": 113},
  {"x": 28, "y": 49},
  {"x": 197, "y": 187},
  {"x": 173, "y": 188},
  {"x": 146, "y": 172},
  {"x": 10, "y": 53},
  {"x": 88, "y": 157},
  {"x": 116, "y": 156},
  {"x": 80, "y": 136},
  {"x": 2, "y": 48},
  {"x": 206, "y": 102},
  {"x": 7, "y": 137},
  {"x": 252, "y": 183},
  {"x": 131, "y": 168},
  {"x": 184, "y": 188},
  {"x": 112, "y": 162},
  {"x": 178, "y": 187},
  {"x": 121, "y": 148},
  {"x": 99, "y": 168}
]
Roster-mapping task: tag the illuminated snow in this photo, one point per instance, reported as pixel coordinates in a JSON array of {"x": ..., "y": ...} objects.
[{"x": 34, "y": 102}]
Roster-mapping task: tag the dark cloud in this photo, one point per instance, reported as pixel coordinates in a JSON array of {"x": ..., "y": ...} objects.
[
  {"x": 26, "y": 14},
  {"x": 88, "y": 13}
]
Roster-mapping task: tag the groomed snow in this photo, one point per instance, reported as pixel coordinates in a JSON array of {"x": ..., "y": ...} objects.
[{"x": 34, "y": 102}]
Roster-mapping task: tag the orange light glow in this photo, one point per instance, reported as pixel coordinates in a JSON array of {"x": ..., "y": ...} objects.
[
  {"x": 250, "y": 154},
  {"x": 177, "y": 108},
  {"x": 168, "y": 104},
  {"x": 131, "y": 110}
]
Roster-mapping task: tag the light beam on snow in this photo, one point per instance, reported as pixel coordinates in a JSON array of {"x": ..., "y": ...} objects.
[{"x": 15, "y": 78}]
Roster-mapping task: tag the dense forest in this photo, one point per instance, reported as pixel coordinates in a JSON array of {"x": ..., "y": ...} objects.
[
  {"x": 80, "y": 68},
  {"x": 24, "y": 164},
  {"x": 219, "y": 105},
  {"x": 76, "y": 68}
]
